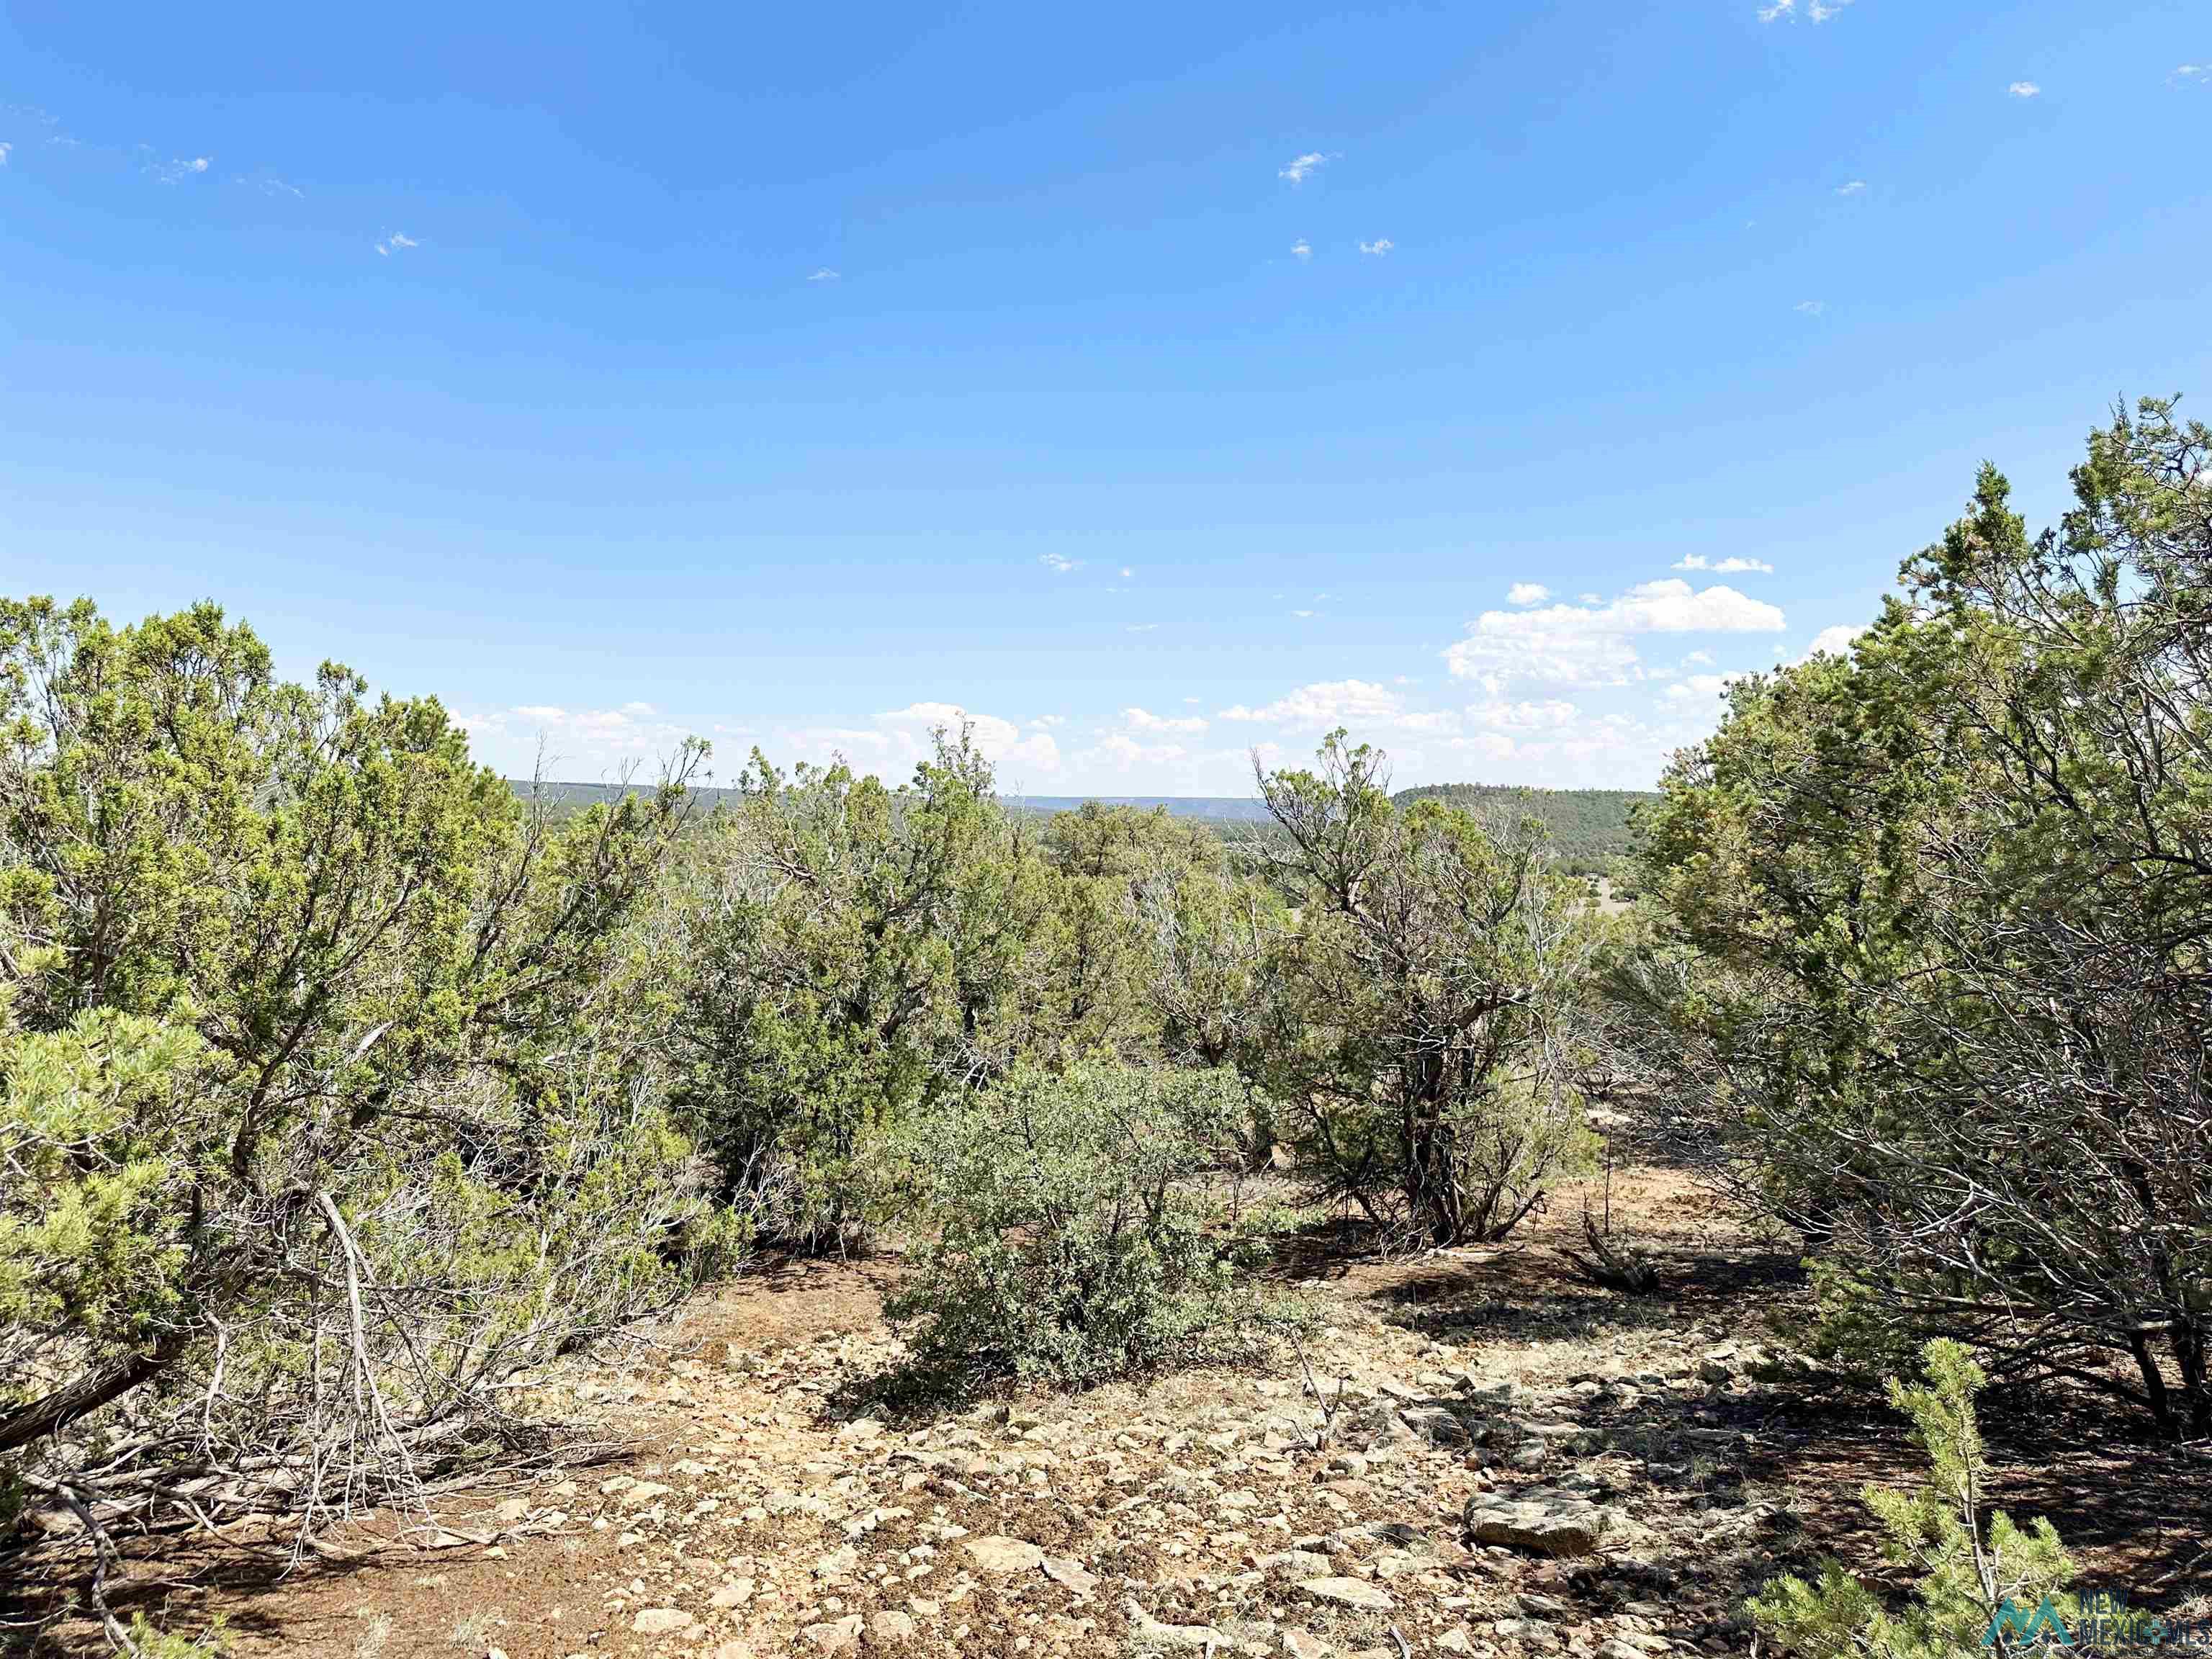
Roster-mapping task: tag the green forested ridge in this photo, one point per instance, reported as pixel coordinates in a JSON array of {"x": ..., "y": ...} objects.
[{"x": 1588, "y": 828}]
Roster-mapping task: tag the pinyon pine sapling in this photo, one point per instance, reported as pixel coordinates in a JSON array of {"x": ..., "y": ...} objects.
[{"x": 1968, "y": 1573}]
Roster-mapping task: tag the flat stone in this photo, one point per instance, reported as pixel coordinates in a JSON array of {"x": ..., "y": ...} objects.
[
  {"x": 1348, "y": 1593},
  {"x": 887, "y": 1627},
  {"x": 1296, "y": 1563},
  {"x": 1070, "y": 1575},
  {"x": 661, "y": 1621},
  {"x": 1542, "y": 1521},
  {"x": 1149, "y": 1631},
  {"x": 996, "y": 1553},
  {"x": 833, "y": 1635}
]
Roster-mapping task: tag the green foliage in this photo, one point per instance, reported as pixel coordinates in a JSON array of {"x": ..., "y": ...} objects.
[
  {"x": 320, "y": 1121},
  {"x": 1588, "y": 830},
  {"x": 1063, "y": 1235},
  {"x": 1929, "y": 949},
  {"x": 846, "y": 955},
  {"x": 146, "y": 1642},
  {"x": 1966, "y": 1570},
  {"x": 1413, "y": 1016}
]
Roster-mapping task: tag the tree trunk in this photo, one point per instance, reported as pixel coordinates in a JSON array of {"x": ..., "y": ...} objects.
[
  {"x": 2161, "y": 1410},
  {"x": 2188, "y": 1340},
  {"x": 45, "y": 1417}
]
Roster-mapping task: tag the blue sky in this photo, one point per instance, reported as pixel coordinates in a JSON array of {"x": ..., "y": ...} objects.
[{"x": 1150, "y": 383}]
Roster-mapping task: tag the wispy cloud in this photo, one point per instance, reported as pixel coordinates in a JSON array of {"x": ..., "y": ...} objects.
[
  {"x": 1785, "y": 11},
  {"x": 1526, "y": 593},
  {"x": 1304, "y": 167},
  {"x": 1142, "y": 721},
  {"x": 825, "y": 275},
  {"x": 4, "y": 149},
  {"x": 1855, "y": 187},
  {"x": 2024, "y": 89},
  {"x": 1059, "y": 563},
  {"x": 1812, "y": 307},
  {"x": 1302, "y": 249},
  {"x": 2191, "y": 74},
  {"x": 397, "y": 240},
  {"x": 1143, "y": 628},
  {"x": 1378, "y": 247},
  {"x": 190, "y": 166},
  {"x": 1728, "y": 566}
]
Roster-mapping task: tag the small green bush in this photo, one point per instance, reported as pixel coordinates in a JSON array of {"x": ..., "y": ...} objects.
[
  {"x": 1067, "y": 1234},
  {"x": 1968, "y": 1574}
]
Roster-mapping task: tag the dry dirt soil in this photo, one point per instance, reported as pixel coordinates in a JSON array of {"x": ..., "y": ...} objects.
[{"x": 1631, "y": 1467}]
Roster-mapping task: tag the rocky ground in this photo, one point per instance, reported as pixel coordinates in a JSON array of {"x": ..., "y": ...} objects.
[{"x": 1477, "y": 1455}]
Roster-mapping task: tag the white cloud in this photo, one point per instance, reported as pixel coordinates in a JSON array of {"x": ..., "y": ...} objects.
[
  {"x": 1698, "y": 659},
  {"x": 823, "y": 274},
  {"x": 578, "y": 744},
  {"x": 1059, "y": 563},
  {"x": 1698, "y": 688},
  {"x": 1812, "y": 307},
  {"x": 1835, "y": 641},
  {"x": 2024, "y": 89},
  {"x": 1729, "y": 567},
  {"x": 4, "y": 149},
  {"x": 1780, "y": 9},
  {"x": 1143, "y": 628},
  {"x": 1855, "y": 187},
  {"x": 1301, "y": 249},
  {"x": 2193, "y": 72},
  {"x": 1379, "y": 247},
  {"x": 397, "y": 240},
  {"x": 1304, "y": 168},
  {"x": 1302, "y": 613},
  {"x": 1324, "y": 705},
  {"x": 898, "y": 741},
  {"x": 1141, "y": 719},
  {"x": 1594, "y": 645},
  {"x": 1526, "y": 593}
]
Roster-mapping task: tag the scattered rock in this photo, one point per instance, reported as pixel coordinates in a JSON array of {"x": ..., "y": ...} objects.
[{"x": 661, "y": 1621}]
